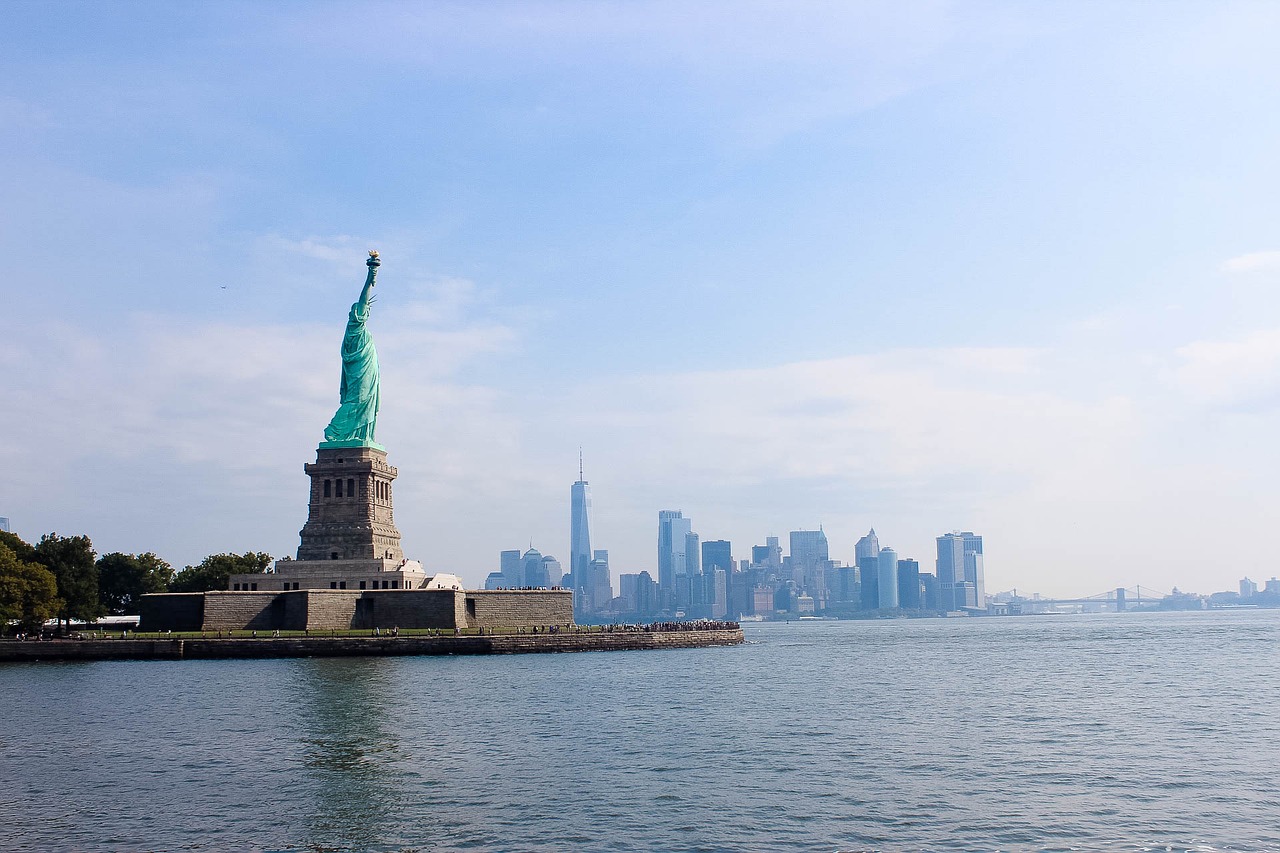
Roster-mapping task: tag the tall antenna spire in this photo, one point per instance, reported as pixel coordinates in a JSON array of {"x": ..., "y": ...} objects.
[{"x": 579, "y": 463}]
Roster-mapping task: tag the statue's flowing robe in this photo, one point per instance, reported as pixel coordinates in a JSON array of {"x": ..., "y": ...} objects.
[{"x": 358, "y": 413}]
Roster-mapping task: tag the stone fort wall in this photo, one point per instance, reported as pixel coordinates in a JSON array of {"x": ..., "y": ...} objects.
[
  {"x": 176, "y": 611},
  {"x": 328, "y": 609},
  {"x": 519, "y": 608},
  {"x": 416, "y": 608},
  {"x": 566, "y": 641},
  {"x": 259, "y": 611}
]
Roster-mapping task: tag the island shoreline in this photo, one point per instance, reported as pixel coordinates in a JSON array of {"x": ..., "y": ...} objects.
[{"x": 382, "y": 646}]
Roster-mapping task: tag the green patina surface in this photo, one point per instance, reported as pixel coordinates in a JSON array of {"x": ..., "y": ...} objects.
[
  {"x": 357, "y": 416},
  {"x": 355, "y": 442}
]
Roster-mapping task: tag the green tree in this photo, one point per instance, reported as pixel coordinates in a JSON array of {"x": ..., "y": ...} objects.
[
  {"x": 28, "y": 591},
  {"x": 215, "y": 571},
  {"x": 71, "y": 559},
  {"x": 125, "y": 578},
  {"x": 24, "y": 552}
]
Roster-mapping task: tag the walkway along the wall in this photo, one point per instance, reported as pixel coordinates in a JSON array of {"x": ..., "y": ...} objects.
[{"x": 296, "y": 647}]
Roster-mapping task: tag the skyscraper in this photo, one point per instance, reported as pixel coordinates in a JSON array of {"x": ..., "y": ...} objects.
[
  {"x": 510, "y": 574},
  {"x": 600, "y": 589},
  {"x": 551, "y": 570},
  {"x": 647, "y": 591},
  {"x": 512, "y": 569},
  {"x": 868, "y": 546},
  {"x": 929, "y": 599},
  {"x": 950, "y": 559},
  {"x": 950, "y": 568},
  {"x": 909, "y": 584},
  {"x": 960, "y": 571},
  {"x": 867, "y": 556},
  {"x": 4, "y": 524},
  {"x": 973, "y": 578},
  {"x": 535, "y": 573},
  {"x": 845, "y": 589},
  {"x": 719, "y": 593},
  {"x": 690, "y": 593},
  {"x": 887, "y": 578},
  {"x": 692, "y": 555},
  {"x": 767, "y": 556},
  {"x": 628, "y": 593},
  {"x": 809, "y": 557},
  {"x": 717, "y": 554},
  {"x": 973, "y": 567},
  {"x": 673, "y": 527},
  {"x": 869, "y": 582},
  {"x": 580, "y": 539}
]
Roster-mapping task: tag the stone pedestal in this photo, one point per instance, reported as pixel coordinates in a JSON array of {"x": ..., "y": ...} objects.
[
  {"x": 350, "y": 540},
  {"x": 350, "y": 515}
]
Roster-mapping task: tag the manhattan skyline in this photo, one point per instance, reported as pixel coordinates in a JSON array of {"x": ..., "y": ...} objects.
[{"x": 782, "y": 267}]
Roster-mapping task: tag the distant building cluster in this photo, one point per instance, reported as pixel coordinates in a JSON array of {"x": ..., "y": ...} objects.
[
  {"x": 1249, "y": 596},
  {"x": 703, "y": 580},
  {"x": 588, "y": 574},
  {"x": 695, "y": 579}
]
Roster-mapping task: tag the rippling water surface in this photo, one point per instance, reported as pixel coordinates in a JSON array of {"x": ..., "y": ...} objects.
[{"x": 1123, "y": 732}]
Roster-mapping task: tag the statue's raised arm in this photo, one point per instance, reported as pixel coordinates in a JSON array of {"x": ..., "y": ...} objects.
[
  {"x": 369, "y": 280},
  {"x": 354, "y": 422}
]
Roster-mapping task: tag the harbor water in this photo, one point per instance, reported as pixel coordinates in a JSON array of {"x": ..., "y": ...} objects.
[{"x": 1107, "y": 732}]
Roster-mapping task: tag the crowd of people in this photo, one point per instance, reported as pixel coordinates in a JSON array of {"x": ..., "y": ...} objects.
[
  {"x": 698, "y": 625},
  {"x": 526, "y": 588},
  {"x": 656, "y": 627}
]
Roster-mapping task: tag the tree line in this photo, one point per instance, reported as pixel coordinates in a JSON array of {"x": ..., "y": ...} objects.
[{"x": 63, "y": 577}]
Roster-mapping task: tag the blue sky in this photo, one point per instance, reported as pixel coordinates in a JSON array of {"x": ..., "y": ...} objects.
[{"x": 1002, "y": 267}]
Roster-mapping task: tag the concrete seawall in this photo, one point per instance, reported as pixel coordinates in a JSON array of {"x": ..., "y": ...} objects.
[{"x": 301, "y": 647}]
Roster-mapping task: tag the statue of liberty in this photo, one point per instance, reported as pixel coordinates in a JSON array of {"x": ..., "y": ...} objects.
[{"x": 354, "y": 422}]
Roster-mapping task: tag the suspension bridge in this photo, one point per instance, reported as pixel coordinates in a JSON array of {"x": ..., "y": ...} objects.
[{"x": 1112, "y": 600}]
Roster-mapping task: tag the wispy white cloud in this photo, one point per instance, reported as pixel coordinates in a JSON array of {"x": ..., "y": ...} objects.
[
  {"x": 338, "y": 249},
  {"x": 765, "y": 70},
  {"x": 1232, "y": 372},
  {"x": 1253, "y": 262}
]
